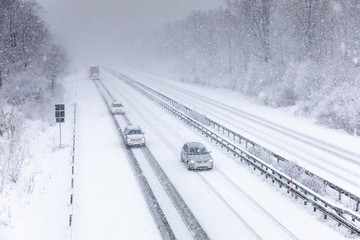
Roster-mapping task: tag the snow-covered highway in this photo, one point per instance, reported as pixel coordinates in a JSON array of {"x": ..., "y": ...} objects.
[
  {"x": 329, "y": 154},
  {"x": 165, "y": 136}
]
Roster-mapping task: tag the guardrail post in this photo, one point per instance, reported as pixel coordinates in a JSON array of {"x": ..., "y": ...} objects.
[
  {"x": 71, "y": 199},
  {"x": 339, "y": 196},
  {"x": 70, "y": 220},
  {"x": 357, "y": 206}
]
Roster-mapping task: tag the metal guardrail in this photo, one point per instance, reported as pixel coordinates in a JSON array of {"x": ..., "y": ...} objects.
[
  {"x": 343, "y": 216},
  {"x": 341, "y": 191}
]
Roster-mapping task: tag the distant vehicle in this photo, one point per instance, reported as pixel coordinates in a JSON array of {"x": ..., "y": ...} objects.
[
  {"x": 196, "y": 156},
  {"x": 117, "y": 108},
  {"x": 94, "y": 72},
  {"x": 134, "y": 136}
]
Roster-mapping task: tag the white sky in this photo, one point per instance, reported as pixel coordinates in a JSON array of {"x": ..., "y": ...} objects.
[{"x": 95, "y": 30}]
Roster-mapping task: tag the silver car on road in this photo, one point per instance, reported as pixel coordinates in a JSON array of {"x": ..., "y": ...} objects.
[
  {"x": 117, "y": 108},
  {"x": 134, "y": 136},
  {"x": 196, "y": 156}
]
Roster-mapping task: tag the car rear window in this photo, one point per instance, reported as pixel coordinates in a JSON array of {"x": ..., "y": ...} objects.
[
  {"x": 134, "y": 131},
  {"x": 198, "y": 151},
  {"x": 117, "y": 105}
]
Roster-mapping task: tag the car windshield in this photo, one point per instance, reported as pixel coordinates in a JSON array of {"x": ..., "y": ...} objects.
[
  {"x": 134, "y": 131},
  {"x": 117, "y": 105},
  {"x": 198, "y": 151}
]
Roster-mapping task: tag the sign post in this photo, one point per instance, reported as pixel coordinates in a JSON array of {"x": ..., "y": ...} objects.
[{"x": 60, "y": 115}]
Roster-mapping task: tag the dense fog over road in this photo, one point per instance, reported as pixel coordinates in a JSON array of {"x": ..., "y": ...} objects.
[{"x": 100, "y": 30}]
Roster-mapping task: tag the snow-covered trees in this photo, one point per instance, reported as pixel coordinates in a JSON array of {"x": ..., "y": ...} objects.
[
  {"x": 30, "y": 64},
  {"x": 282, "y": 52},
  {"x": 27, "y": 48}
]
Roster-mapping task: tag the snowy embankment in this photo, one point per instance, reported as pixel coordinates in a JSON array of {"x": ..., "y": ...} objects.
[
  {"x": 36, "y": 207},
  {"x": 107, "y": 201}
]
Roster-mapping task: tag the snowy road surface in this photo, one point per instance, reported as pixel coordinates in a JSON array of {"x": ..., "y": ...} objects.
[
  {"x": 230, "y": 202},
  {"x": 222, "y": 201},
  {"x": 107, "y": 200}
]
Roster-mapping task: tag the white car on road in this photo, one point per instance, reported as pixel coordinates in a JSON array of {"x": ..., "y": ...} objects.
[{"x": 134, "y": 136}]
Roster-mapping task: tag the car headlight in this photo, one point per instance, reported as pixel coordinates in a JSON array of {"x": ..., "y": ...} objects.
[
  {"x": 192, "y": 161},
  {"x": 143, "y": 140},
  {"x": 128, "y": 140},
  {"x": 211, "y": 160}
]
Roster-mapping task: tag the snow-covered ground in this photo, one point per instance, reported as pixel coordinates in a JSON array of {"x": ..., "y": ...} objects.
[
  {"x": 108, "y": 203},
  {"x": 36, "y": 207}
]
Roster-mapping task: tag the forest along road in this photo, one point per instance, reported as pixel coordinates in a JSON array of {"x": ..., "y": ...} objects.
[
  {"x": 329, "y": 154},
  {"x": 165, "y": 136}
]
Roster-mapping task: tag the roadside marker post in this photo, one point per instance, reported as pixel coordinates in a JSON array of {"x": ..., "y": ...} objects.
[{"x": 292, "y": 193}]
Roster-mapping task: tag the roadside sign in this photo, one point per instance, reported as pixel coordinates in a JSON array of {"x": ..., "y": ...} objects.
[
  {"x": 60, "y": 113},
  {"x": 60, "y": 116}
]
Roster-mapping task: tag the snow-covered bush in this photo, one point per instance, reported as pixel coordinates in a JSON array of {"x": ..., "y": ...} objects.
[
  {"x": 292, "y": 169},
  {"x": 341, "y": 107},
  {"x": 30, "y": 93},
  {"x": 15, "y": 159},
  {"x": 13, "y": 150},
  {"x": 314, "y": 183}
]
